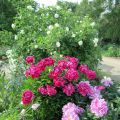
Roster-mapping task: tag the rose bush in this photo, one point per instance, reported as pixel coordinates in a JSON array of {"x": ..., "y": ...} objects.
[{"x": 64, "y": 85}]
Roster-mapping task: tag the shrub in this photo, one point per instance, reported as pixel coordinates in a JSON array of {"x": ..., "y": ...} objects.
[
  {"x": 52, "y": 84},
  {"x": 45, "y": 30}
]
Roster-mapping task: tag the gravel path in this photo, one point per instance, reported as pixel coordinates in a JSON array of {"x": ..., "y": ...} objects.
[{"x": 111, "y": 65}]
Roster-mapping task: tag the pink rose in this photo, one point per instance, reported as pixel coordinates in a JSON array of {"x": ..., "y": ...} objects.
[
  {"x": 91, "y": 75},
  {"x": 42, "y": 90},
  {"x": 29, "y": 59},
  {"x": 59, "y": 82},
  {"x": 99, "y": 107},
  {"x": 84, "y": 88},
  {"x": 27, "y": 97},
  {"x": 69, "y": 89},
  {"x": 72, "y": 74},
  {"x": 51, "y": 91},
  {"x": 83, "y": 69}
]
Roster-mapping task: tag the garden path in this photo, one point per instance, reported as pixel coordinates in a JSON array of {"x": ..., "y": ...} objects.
[{"x": 111, "y": 65}]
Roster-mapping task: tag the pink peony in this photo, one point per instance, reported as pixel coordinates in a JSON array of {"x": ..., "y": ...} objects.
[
  {"x": 69, "y": 89},
  {"x": 95, "y": 93},
  {"x": 71, "y": 111},
  {"x": 83, "y": 69},
  {"x": 107, "y": 81},
  {"x": 48, "y": 61},
  {"x": 59, "y": 82},
  {"x": 91, "y": 75},
  {"x": 55, "y": 72},
  {"x": 29, "y": 59},
  {"x": 100, "y": 88},
  {"x": 72, "y": 74},
  {"x": 27, "y": 97},
  {"x": 51, "y": 91},
  {"x": 62, "y": 64},
  {"x": 99, "y": 107},
  {"x": 33, "y": 72},
  {"x": 42, "y": 90},
  {"x": 84, "y": 88}
]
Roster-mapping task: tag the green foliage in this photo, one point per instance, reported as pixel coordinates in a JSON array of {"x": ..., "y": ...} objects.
[{"x": 111, "y": 50}]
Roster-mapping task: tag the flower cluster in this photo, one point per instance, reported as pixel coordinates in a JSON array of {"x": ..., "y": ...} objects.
[
  {"x": 65, "y": 77},
  {"x": 71, "y": 111}
]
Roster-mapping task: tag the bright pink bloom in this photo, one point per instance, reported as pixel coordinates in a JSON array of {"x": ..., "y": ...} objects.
[
  {"x": 48, "y": 61},
  {"x": 71, "y": 65},
  {"x": 29, "y": 59},
  {"x": 51, "y": 91},
  {"x": 27, "y": 97},
  {"x": 100, "y": 87},
  {"x": 33, "y": 72},
  {"x": 83, "y": 69},
  {"x": 69, "y": 89},
  {"x": 73, "y": 60},
  {"x": 59, "y": 82},
  {"x": 107, "y": 81},
  {"x": 99, "y": 107},
  {"x": 55, "y": 72},
  {"x": 72, "y": 74},
  {"x": 42, "y": 90},
  {"x": 91, "y": 75},
  {"x": 62, "y": 64},
  {"x": 84, "y": 88}
]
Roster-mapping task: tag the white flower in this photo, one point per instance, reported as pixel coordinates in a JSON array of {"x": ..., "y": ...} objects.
[
  {"x": 118, "y": 91},
  {"x": 92, "y": 24},
  {"x": 40, "y": 29},
  {"x": 50, "y": 27},
  {"x": 70, "y": 10},
  {"x": 8, "y": 52},
  {"x": 36, "y": 46},
  {"x": 48, "y": 32},
  {"x": 73, "y": 35},
  {"x": 61, "y": 56},
  {"x": 67, "y": 29},
  {"x": 107, "y": 81},
  {"x": 56, "y": 15},
  {"x": 22, "y": 32},
  {"x": 95, "y": 40},
  {"x": 57, "y": 25},
  {"x": 16, "y": 37},
  {"x": 58, "y": 44},
  {"x": 47, "y": 14},
  {"x": 13, "y": 26},
  {"x": 29, "y": 7},
  {"x": 35, "y": 106},
  {"x": 80, "y": 43},
  {"x": 58, "y": 7},
  {"x": 22, "y": 113}
]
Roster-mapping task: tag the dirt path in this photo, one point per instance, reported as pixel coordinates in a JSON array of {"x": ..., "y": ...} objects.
[{"x": 111, "y": 66}]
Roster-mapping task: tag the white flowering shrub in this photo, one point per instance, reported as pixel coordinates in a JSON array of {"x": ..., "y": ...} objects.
[{"x": 44, "y": 31}]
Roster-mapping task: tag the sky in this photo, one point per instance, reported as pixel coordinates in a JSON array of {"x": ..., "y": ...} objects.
[{"x": 53, "y": 2}]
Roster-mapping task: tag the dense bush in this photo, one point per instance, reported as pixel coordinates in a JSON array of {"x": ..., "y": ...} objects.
[{"x": 44, "y": 31}]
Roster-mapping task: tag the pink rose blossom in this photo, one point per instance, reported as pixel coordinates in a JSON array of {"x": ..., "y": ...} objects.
[
  {"x": 71, "y": 65},
  {"x": 55, "y": 72},
  {"x": 72, "y": 74},
  {"x": 51, "y": 91},
  {"x": 62, "y": 64},
  {"x": 69, "y": 89},
  {"x": 59, "y": 82},
  {"x": 107, "y": 81},
  {"x": 71, "y": 111},
  {"x": 42, "y": 90},
  {"x": 84, "y": 88},
  {"x": 27, "y": 97},
  {"x": 91, "y": 75},
  {"x": 33, "y": 72},
  {"x": 29, "y": 59},
  {"x": 48, "y": 61},
  {"x": 99, "y": 107},
  {"x": 83, "y": 69}
]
